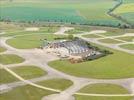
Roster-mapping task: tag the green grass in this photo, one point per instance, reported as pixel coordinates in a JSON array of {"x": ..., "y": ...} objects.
[
  {"x": 128, "y": 1},
  {"x": 79, "y": 30},
  {"x": 28, "y": 72},
  {"x": 2, "y": 49},
  {"x": 126, "y": 10},
  {"x": 49, "y": 29},
  {"x": 103, "y": 89},
  {"x": 91, "y": 36},
  {"x": 10, "y": 59},
  {"x": 73, "y": 32},
  {"x": 109, "y": 41},
  {"x": 128, "y": 46},
  {"x": 19, "y": 32},
  {"x": 127, "y": 38},
  {"x": 6, "y": 77},
  {"x": 43, "y": 30},
  {"x": 82, "y": 28},
  {"x": 60, "y": 11},
  {"x": 129, "y": 7},
  {"x": 40, "y": 14},
  {"x": 112, "y": 33},
  {"x": 116, "y": 65},
  {"x": 129, "y": 17},
  {"x": 32, "y": 93},
  {"x": 30, "y": 41},
  {"x": 64, "y": 84},
  {"x": 12, "y": 29}
]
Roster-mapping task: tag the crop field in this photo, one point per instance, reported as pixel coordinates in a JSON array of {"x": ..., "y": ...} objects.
[
  {"x": 126, "y": 10},
  {"x": 59, "y": 11}
]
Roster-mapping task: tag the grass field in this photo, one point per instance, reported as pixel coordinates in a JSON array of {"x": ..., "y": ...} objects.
[
  {"x": 2, "y": 49},
  {"x": 112, "y": 33},
  {"x": 28, "y": 72},
  {"x": 128, "y": 46},
  {"x": 109, "y": 41},
  {"x": 10, "y": 27},
  {"x": 16, "y": 29},
  {"x": 6, "y": 77},
  {"x": 79, "y": 30},
  {"x": 91, "y": 36},
  {"x": 103, "y": 89},
  {"x": 112, "y": 66},
  {"x": 10, "y": 59},
  {"x": 64, "y": 84},
  {"x": 72, "y": 12},
  {"x": 30, "y": 93},
  {"x": 30, "y": 41},
  {"x": 81, "y": 11},
  {"x": 74, "y": 32},
  {"x": 127, "y": 38}
]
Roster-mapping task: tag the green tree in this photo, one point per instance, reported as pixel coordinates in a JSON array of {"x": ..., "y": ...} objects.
[{"x": 70, "y": 37}]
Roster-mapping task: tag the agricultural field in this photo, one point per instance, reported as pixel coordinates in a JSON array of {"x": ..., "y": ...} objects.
[
  {"x": 52, "y": 11},
  {"x": 126, "y": 10}
]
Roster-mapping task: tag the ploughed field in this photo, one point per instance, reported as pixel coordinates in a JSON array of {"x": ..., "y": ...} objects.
[{"x": 78, "y": 11}]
